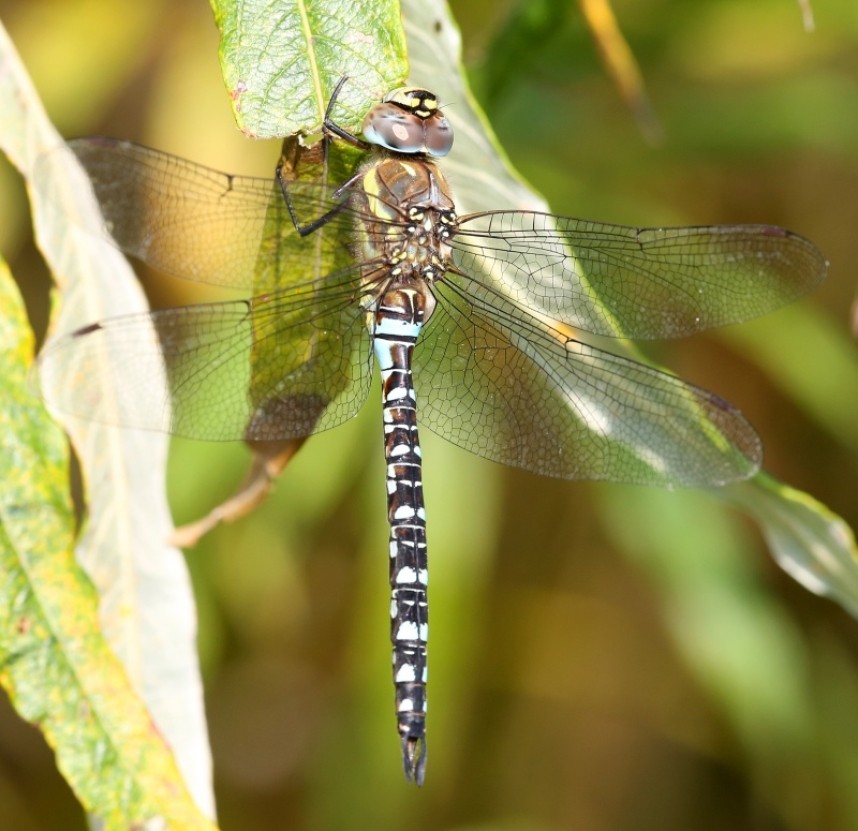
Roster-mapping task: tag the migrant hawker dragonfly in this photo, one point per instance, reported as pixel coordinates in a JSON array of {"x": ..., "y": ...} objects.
[{"x": 493, "y": 312}]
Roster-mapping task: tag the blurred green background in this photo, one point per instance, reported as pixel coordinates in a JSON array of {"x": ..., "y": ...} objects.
[{"x": 603, "y": 657}]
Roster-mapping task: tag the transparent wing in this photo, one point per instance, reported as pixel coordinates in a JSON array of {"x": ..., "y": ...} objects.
[
  {"x": 496, "y": 381},
  {"x": 637, "y": 282},
  {"x": 274, "y": 367},
  {"x": 199, "y": 224}
]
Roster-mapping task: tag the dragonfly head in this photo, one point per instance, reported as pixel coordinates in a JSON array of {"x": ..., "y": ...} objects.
[{"x": 409, "y": 120}]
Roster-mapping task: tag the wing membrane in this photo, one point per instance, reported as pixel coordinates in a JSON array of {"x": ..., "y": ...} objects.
[
  {"x": 273, "y": 367},
  {"x": 199, "y": 224},
  {"x": 496, "y": 381},
  {"x": 497, "y": 370},
  {"x": 640, "y": 283}
]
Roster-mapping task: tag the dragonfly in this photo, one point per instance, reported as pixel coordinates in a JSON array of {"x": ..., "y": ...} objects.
[{"x": 492, "y": 329}]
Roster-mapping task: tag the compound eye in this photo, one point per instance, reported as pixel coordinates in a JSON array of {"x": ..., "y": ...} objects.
[
  {"x": 388, "y": 125},
  {"x": 438, "y": 135},
  {"x": 409, "y": 121}
]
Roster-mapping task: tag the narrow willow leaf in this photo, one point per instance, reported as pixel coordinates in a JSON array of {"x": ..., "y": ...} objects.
[
  {"x": 287, "y": 260},
  {"x": 145, "y": 597},
  {"x": 810, "y": 542},
  {"x": 806, "y": 539},
  {"x": 282, "y": 59},
  {"x": 55, "y": 663},
  {"x": 481, "y": 175}
]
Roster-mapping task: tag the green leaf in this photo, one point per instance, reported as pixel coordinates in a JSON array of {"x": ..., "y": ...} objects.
[
  {"x": 281, "y": 60},
  {"x": 143, "y": 589},
  {"x": 308, "y": 355},
  {"x": 808, "y": 541},
  {"x": 482, "y": 177},
  {"x": 55, "y": 663}
]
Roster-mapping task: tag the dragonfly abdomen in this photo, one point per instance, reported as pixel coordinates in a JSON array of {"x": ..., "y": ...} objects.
[{"x": 401, "y": 312}]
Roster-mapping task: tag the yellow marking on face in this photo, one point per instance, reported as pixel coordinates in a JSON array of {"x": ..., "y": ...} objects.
[{"x": 421, "y": 102}]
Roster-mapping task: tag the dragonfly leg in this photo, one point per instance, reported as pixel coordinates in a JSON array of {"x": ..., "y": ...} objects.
[
  {"x": 324, "y": 219},
  {"x": 331, "y": 127}
]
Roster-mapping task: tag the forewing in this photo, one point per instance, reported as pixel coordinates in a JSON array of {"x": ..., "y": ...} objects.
[
  {"x": 270, "y": 368},
  {"x": 640, "y": 283},
  {"x": 498, "y": 382},
  {"x": 199, "y": 224}
]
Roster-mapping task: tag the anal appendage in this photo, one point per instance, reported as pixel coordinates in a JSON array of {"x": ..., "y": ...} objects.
[{"x": 414, "y": 758}]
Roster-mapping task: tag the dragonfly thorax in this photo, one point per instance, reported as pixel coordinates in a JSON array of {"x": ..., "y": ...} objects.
[{"x": 408, "y": 219}]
